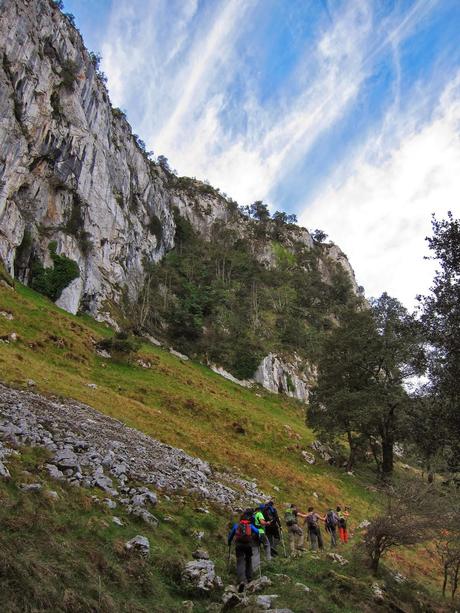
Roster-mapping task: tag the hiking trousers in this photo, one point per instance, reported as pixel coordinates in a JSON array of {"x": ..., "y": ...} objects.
[
  {"x": 273, "y": 535},
  {"x": 243, "y": 554},
  {"x": 256, "y": 547},
  {"x": 316, "y": 538},
  {"x": 296, "y": 537},
  {"x": 333, "y": 535},
  {"x": 343, "y": 533}
]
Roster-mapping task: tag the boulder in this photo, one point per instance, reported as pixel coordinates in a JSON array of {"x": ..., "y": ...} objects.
[
  {"x": 336, "y": 557},
  {"x": 257, "y": 585},
  {"x": 4, "y": 472},
  {"x": 265, "y": 601},
  {"x": 139, "y": 544},
  {"x": 200, "y": 554},
  {"x": 308, "y": 457},
  {"x": 145, "y": 515},
  {"x": 200, "y": 575},
  {"x": 30, "y": 487},
  {"x": 65, "y": 458}
]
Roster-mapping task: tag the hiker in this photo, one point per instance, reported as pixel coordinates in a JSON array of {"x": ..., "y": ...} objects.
[
  {"x": 260, "y": 523},
  {"x": 314, "y": 531},
  {"x": 343, "y": 532},
  {"x": 273, "y": 530},
  {"x": 245, "y": 534},
  {"x": 331, "y": 523},
  {"x": 295, "y": 532}
]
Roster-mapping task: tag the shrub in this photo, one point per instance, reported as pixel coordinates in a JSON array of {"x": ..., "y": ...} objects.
[
  {"x": 52, "y": 281},
  {"x": 69, "y": 73}
]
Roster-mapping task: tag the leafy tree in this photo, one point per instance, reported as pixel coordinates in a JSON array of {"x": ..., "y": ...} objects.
[
  {"x": 164, "y": 163},
  {"x": 361, "y": 372},
  {"x": 319, "y": 236},
  {"x": 441, "y": 320}
]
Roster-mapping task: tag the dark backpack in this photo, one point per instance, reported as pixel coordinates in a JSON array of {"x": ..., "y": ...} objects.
[
  {"x": 331, "y": 520},
  {"x": 243, "y": 533},
  {"x": 268, "y": 513}
]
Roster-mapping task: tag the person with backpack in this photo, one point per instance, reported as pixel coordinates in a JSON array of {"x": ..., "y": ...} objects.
[
  {"x": 261, "y": 523},
  {"x": 343, "y": 532},
  {"x": 274, "y": 527},
  {"x": 314, "y": 530},
  {"x": 295, "y": 532},
  {"x": 245, "y": 533},
  {"x": 331, "y": 523}
]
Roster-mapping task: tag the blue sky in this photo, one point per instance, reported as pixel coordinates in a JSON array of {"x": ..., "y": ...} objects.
[{"x": 346, "y": 113}]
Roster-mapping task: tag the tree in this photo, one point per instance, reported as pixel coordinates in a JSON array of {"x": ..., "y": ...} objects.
[
  {"x": 319, "y": 236},
  {"x": 164, "y": 163},
  {"x": 361, "y": 372},
  {"x": 441, "y": 320},
  {"x": 257, "y": 210},
  {"x": 412, "y": 514}
]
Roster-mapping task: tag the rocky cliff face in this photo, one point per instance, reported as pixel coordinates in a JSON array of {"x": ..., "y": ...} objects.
[
  {"x": 73, "y": 175},
  {"x": 71, "y": 170}
]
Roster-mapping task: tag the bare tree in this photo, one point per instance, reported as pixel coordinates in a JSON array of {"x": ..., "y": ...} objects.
[{"x": 412, "y": 515}]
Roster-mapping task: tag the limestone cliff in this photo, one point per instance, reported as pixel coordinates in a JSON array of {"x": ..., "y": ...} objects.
[{"x": 73, "y": 175}]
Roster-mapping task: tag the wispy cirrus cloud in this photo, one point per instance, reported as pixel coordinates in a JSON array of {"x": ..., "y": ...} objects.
[
  {"x": 321, "y": 108},
  {"x": 393, "y": 187}
]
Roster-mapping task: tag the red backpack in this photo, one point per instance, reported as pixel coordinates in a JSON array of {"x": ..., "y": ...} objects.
[{"x": 243, "y": 532}]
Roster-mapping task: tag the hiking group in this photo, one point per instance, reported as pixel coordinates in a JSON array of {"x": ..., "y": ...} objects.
[{"x": 261, "y": 528}]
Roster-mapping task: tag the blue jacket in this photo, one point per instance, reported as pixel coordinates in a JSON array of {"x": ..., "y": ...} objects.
[{"x": 232, "y": 532}]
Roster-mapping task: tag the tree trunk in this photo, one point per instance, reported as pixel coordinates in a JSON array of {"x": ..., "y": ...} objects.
[
  {"x": 351, "y": 455},
  {"x": 387, "y": 456},
  {"x": 375, "y": 559}
]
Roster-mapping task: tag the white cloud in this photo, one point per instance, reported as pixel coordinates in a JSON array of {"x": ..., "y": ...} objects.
[{"x": 381, "y": 212}]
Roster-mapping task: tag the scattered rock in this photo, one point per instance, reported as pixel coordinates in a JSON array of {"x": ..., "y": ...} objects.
[
  {"x": 324, "y": 451},
  {"x": 336, "y": 557},
  {"x": 399, "y": 578},
  {"x": 6, "y": 315},
  {"x": 93, "y": 386},
  {"x": 187, "y": 606},
  {"x": 54, "y": 471},
  {"x": 30, "y": 487},
  {"x": 13, "y": 337},
  {"x": 378, "y": 593},
  {"x": 103, "y": 353},
  {"x": 265, "y": 601},
  {"x": 4, "y": 472},
  {"x": 202, "y": 510},
  {"x": 308, "y": 457},
  {"x": 66, "y": 458},
  {"x": 200, "y": 554},
  {"x": 117, "y": 521},
  {"x": 145, "y": 515},
  {"x": 303, "y": 587},
  {"x": 111, "y": 504},
  {"x": 283, "y": 578},
  {"x": 178, "y": 355},
  {"x": 363, "y": 525},
  {"x": 201, "y": 575},
  {"x": 140, "y": 544},
  {"x": 52, "y": 494},
  {"x": 31, "y": 383},
  {"x": 257, "y": 585}
]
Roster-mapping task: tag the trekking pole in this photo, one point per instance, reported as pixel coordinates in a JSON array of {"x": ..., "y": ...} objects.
[{"x": 229, "y": 554}]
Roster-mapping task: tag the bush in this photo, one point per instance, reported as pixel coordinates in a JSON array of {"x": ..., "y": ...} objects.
[
  {"x": 69, "y": 73},
  {"x": 52, "y": 281}
]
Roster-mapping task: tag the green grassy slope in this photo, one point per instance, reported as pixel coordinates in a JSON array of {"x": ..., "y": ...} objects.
[{"x": 186, "y": 405}]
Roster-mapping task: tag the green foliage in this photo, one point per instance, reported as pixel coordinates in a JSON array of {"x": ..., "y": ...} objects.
[
  {"x": 51, "y": 281},
  {"x": 121, "y": 345},
  {"x": 118, "y": 113},
  {"x": 221, "y": 304},
  {"x": 362, "y": 369},
  {"x": 69, "y": 73}
]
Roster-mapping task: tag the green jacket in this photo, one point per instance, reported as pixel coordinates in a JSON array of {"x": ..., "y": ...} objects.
[{"x": 257, "y": 517}]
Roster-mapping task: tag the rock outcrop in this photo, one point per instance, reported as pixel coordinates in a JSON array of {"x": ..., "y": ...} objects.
[{"x": 285, "y": 376}]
